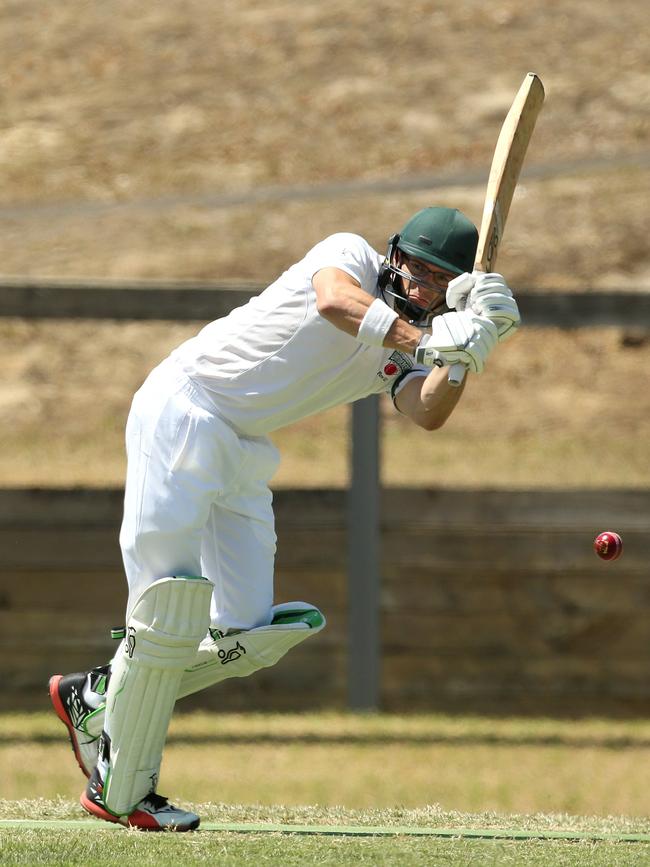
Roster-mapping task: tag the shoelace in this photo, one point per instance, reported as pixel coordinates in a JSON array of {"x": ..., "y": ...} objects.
[{"x": 155, "y": 801}]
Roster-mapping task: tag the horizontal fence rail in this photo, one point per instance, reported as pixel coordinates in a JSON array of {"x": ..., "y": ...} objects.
[{"x": 138, "y": 300}]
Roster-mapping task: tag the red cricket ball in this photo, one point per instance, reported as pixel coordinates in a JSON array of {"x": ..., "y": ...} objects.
[{"x": 608, "y": 545}]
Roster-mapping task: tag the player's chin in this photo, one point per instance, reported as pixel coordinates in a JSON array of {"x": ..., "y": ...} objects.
[{"x": 426, "y": 308}]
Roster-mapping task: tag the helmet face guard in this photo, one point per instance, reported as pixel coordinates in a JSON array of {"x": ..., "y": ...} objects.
[
  {"x": 440, "y": 236},
  {"x": 392, "y": 280}
]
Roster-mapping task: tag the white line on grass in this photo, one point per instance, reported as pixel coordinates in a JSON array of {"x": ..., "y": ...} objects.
[{"x": 347, "y": 830}]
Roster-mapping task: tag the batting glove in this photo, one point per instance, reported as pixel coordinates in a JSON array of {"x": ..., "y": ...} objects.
[
  {"x": 463, "y": 338},
  {"x": 487, "y": 295},
  {"x": 458, "y": 290}
]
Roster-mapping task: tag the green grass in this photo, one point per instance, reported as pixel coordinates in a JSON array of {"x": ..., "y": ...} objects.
[
  {"x": 538, "y": 776},
  {"x": 109, "y": 845},
  {"x": 99, "y": 848}
]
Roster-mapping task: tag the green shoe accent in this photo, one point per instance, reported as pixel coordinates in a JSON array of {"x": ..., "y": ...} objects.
[
  {"x": 100, "y": 686},
  {"x": 311, "y": 616},
  {"x": 90, "y": 717}
]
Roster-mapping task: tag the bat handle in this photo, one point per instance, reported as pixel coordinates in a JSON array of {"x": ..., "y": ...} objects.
[{"x": 456, "y": 374}]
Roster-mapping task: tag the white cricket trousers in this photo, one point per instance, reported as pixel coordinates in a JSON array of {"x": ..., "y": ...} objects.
[{"x": 197, "y": 501}]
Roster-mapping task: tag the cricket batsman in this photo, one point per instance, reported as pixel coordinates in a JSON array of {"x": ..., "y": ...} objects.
[{"x": 197, "y": 537}]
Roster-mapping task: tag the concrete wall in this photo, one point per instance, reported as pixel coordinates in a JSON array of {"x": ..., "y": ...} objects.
[{"x": 491, "y": 601}]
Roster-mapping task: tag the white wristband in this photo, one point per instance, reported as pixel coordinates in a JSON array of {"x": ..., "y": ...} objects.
[{"x": 376, "y": 324}]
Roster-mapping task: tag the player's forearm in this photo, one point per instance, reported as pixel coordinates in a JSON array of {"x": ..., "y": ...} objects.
[
  {"x": 400, "y": 335},
  {"x": 344, "y": 309},
  {"x": 346, "y": 306},
  {"x": 437, "y": 396},
  {"x": 403, "y": 336},
  {"x": 429, "y": 401}
]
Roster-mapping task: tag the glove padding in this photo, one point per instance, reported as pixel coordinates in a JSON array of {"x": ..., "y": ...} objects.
[
  {"x": 463, "y": 338},
  {"x": 487, "y": 295},
  {"x": 458, "y": 290}
]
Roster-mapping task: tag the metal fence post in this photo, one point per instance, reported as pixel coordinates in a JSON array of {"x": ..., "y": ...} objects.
[{"x": 363, "y": 558}]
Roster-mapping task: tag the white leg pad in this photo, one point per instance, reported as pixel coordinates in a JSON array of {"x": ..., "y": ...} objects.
[
  {"x": 220, "y": 658},
  {"x": 243, "y": 653},
  {"x": 164, "y": 630}
]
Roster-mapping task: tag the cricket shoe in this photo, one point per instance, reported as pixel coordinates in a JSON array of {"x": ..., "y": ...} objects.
[
  {"x": 79, "y": 701},
  {"x": 152, "y": 813}
]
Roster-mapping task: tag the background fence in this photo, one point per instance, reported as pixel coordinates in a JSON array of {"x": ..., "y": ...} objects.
[
  {"x": 490, "y": 601},
  {"x": 475, "y": 600},
  {"x": 183, "y": 301}
]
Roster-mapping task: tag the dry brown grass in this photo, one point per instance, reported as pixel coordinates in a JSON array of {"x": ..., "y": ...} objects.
[
  {"x": 591, "y": 767},
  {"x": 570, "y": 411},
  {"x": 133, "y": 103}
]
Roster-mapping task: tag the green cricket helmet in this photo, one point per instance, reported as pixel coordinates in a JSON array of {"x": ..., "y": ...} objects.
[{"x": 439, "y": 236}]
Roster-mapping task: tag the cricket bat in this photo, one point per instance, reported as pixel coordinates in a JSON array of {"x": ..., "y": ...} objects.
[{"x": 507, "y": 161}]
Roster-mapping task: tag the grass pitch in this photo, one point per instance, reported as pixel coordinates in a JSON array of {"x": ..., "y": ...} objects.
[
  {"x": 94, "y": 843},
  {"x": 347, "y": 789}
]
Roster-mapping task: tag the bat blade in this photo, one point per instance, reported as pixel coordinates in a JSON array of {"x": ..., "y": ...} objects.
[{"x": 508, "y": 159}]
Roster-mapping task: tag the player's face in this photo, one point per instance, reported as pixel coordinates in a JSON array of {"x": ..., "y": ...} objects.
[{"x": 426, "y": 284}]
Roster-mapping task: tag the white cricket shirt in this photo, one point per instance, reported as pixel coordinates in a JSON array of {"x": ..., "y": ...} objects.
[{"x": 276, "y": 359}]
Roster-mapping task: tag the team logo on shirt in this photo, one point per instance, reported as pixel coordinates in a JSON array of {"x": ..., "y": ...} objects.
[{"x": 397, "y": 364}]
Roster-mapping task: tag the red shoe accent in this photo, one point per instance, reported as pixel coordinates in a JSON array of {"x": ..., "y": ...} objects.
[
  {"x": 95, "y": 810},
  {"x": 142, "y": 820},
  {"x": 62, "y": 715}
]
